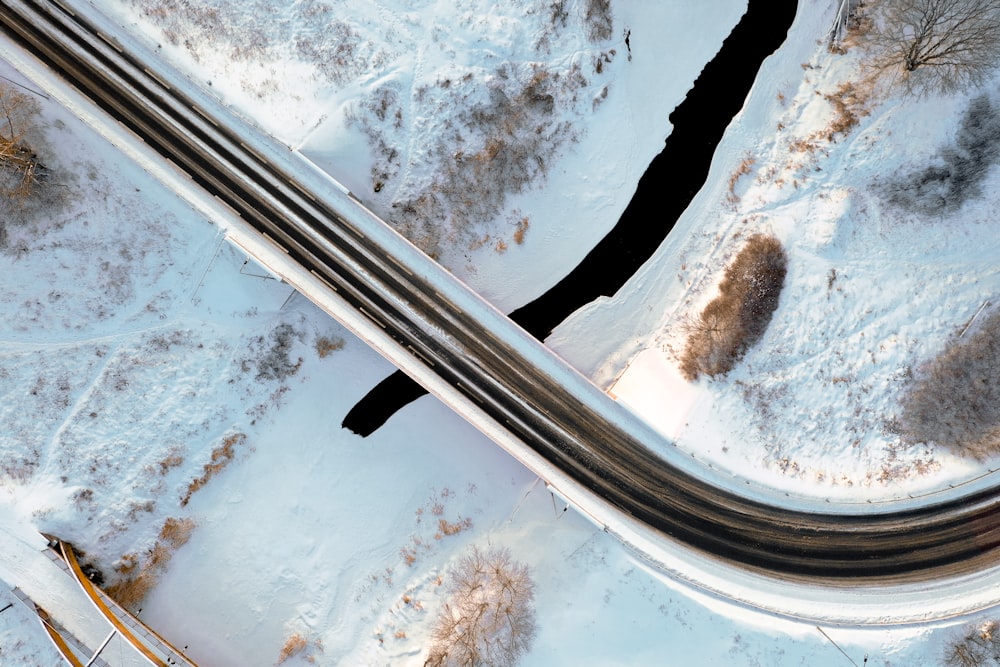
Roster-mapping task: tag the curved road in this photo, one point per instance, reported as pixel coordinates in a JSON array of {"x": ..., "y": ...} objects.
[{"x": 475, "y": 349}]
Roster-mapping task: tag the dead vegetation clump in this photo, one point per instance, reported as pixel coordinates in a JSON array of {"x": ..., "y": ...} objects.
[
  {"x": 20, "y": 468},
  {"x": 849, "y": 103},
  {"x": 448, "y": 528},
  {"x": 293, "y": 645},
  {"x": 745, "y": 167},
  {"x": 326, "y": 346},
  {"x": 736, "y": 319},
  {"x": 297, "y": 644},
  {"x": 510, "y": 125},
  {"x": 221, "y": 457},
  {"x": 273, "y": 360},
  {"x": 954, "y": 399},
  {"x": 140, "y": 573},
  {"x": 176, "y": 532}
]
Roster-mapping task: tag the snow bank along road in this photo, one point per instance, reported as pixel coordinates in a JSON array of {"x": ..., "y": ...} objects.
[{"x": 512, "y": 387}]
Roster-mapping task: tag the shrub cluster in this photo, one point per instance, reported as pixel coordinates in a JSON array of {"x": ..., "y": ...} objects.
[
  {"x": 954, "y": 400},
  {"x": 738, "y": 317},
  {"x": 959, "y": 173}
]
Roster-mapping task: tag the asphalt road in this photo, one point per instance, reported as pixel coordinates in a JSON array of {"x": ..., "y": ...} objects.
[{"x": 487, "y": 360}]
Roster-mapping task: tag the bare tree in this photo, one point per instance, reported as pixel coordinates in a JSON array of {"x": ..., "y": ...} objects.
[
  {"x": 977, "y": 648},
  {"x": 489, "y": 618},
  {"x": 936, "y": 45},
  {"x": 19, "y": 166}
]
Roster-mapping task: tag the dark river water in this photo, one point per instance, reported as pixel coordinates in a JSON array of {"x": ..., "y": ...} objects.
[{"x": 663, "y": 193}]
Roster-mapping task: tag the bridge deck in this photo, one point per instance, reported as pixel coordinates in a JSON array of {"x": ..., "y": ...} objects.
[{"x": 155, "y": 649}]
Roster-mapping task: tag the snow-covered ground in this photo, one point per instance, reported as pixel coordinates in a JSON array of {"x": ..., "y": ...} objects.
[
  {"x": 152, "y": 377},
  {"x": 876, "y": 286}
]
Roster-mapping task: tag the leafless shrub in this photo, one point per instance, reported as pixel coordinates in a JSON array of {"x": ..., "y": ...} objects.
[
  {"x": 979, "y": 647},
  {"x": 954, "y": 400},
  {"x": 273, "y": 362},
  {"x": 341, "y": 53},
  {"x": 497, "y": 146},
  {"x": 598, "y": 20},
  {"x": 957, "y": 175},
  {"x": 25, "y": 182},
  {"x": 489, "y": 618},
  {"x": 738, "y": 317},
  {"x": 558, "y": 16},
  {"x": 935, "y": 45}
]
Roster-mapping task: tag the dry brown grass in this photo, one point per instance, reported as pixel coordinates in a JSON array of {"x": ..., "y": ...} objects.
[
  {"x": 409, "y": 555},
  {"x": 171, "y": 460},
  {"x": 326, "y": 346},
  {"x": 849, "y": 104},
  {"x": 448, "y": 528},
  {"x": 127, "y": 564},
  {"x": 856, "y": 25},
  {"x": 141, "y": 574},
  {"x": 737, "y": 318},
  {"x": 221, "y": 457},
  {"x": 522, "y": 229},
  {"x": 177, "y": 531},
  {"x": 744, "y": 168},
  {"x": 130, "y": 592},
  {"x": 294, "y": 645}
]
